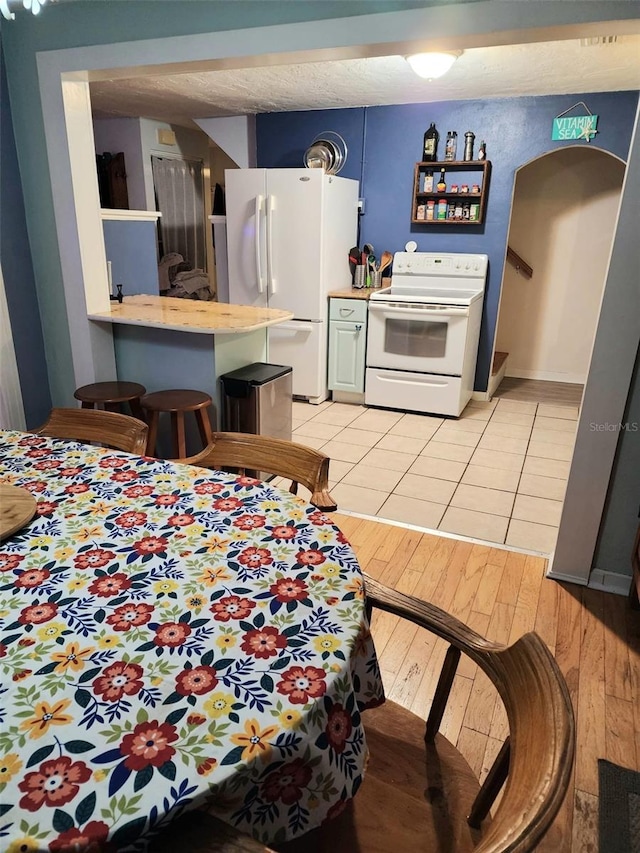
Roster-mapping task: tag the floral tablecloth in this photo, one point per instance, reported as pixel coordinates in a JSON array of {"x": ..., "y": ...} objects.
[{"x": 171, "y": 637}]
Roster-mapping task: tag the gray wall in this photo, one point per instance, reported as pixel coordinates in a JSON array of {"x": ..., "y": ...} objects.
[{"x": 17, "y": 269}]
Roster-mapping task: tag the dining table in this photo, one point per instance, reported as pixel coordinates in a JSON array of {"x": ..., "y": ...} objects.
[{"x": 173, "y": 638}]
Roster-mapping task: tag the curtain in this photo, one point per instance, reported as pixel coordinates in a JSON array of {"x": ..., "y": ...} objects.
[
  {"x": 11, "y": 408},
  {"x": 179, "y": 192}
]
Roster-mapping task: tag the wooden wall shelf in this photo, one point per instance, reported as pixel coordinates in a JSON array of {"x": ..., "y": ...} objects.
[{"x": 456, "y": 172}]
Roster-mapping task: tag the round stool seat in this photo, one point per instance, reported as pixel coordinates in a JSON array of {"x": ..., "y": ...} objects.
[
  {"x": 110, "y": 392},
  {"x": 177, "y": 400},
  {"x": 112, "y": 396}
]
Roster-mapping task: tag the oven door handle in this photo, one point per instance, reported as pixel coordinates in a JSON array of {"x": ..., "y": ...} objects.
[{"x": 418, "y": 310}]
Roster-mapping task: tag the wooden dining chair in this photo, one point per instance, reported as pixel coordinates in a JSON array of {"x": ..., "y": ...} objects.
[
  {"x": 418, "y": 791},
  {"x": 247, "y": 452},
  {"x": 119, "y": 432}
]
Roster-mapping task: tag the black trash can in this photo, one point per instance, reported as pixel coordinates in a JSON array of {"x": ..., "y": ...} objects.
[{"x": 258, "y": 399}]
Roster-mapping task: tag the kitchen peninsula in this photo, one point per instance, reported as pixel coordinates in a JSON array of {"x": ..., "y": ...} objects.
[{"x": 163, "y": 342}]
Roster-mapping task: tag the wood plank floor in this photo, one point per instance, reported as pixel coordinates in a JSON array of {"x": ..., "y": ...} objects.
[
  {"x": 540, "y": 391},
  {"x": 594, "y": 636}
]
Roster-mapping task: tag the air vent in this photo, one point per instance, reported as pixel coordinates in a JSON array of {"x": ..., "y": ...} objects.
[{"x": 596, "y": 40}]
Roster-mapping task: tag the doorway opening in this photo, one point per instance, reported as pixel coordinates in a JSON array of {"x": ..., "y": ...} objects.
[{"x": 563, "y": 220}]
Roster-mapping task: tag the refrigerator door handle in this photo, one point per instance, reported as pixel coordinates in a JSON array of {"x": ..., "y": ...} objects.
[
  {"x": 259, "y": 277},
  {"x": 271, "y": 281}
]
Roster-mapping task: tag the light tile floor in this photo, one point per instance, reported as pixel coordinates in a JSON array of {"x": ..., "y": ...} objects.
[{"x": 498, "y": 473}]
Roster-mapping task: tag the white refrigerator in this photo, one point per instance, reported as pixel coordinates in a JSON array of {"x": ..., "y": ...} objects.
[{"x": 289, "y": 232}]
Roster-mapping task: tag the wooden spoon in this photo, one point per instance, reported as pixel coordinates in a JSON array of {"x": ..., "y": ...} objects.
[{"x": 386, "y": 260}]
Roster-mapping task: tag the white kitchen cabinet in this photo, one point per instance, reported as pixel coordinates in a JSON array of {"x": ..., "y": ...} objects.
[{"x": 347, "y": 345}]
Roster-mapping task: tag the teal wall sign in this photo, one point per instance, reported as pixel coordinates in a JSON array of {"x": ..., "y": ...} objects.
[{"x": 575, "y": 127}]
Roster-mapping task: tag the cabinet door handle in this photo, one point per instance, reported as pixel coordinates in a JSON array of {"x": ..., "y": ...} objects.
[
  {"x": 346, "y": 311},
  {"x": 358, "y": 327}
]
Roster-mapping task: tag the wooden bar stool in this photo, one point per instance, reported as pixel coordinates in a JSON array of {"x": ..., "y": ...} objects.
[
  {"x": 177, "y": 402},
  {"x": 113, "y": 396}
]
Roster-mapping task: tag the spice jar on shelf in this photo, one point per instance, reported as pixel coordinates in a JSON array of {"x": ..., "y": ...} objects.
[{"x": 430, "y": 209}]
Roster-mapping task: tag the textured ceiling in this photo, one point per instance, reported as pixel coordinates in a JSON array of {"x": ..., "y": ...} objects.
[{"x": 544, "y": 68}]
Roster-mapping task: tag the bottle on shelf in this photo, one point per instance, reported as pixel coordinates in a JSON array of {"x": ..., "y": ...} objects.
[
  {"x": 442, "y": 209},
  {"x": 468, "y": 145},
  {"x": 482, "y": 151},
  {"x": 451, "y": 146},
  {"x": 428, "y": 181},
  {"x": 430, "y": 144},
  {"x": 442, "y": 184},
  {"x": 430, "y": 209}
]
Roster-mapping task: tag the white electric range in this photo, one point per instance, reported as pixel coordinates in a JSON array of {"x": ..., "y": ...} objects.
[{"x": 424, "y": 330}]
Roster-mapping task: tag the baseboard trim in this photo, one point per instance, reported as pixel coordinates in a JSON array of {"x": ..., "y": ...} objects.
[
  {"x": 559, "y": 576},
  {"x": 348, "y": 397},
  {"x": 546, "y": 375},
  {"x": 609, "y": 582},
  {"x": 482, "y": 396}
]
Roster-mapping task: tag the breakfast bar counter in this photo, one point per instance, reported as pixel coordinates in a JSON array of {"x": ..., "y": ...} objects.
[
  {"x": 189, "y": 315},
  {"x": 165, "y": 343}
]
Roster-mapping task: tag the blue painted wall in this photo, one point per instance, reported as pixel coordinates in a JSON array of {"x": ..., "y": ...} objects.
[
  {"x": 385, "y": 142},
  {"x": 17, "y": 269},
  {"x": 131, "y": 248}
]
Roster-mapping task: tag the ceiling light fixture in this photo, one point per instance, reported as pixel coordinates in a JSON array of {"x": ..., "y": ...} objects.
[
  {"x": 33, "y": 5},
  {"x": 432, "y": 65}
]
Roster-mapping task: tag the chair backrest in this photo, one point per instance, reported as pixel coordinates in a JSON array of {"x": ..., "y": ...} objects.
[
  {"x": 119, "y": 432},
  {"x": 541, "y": 723},
  {"x": 296, "y": 462}
]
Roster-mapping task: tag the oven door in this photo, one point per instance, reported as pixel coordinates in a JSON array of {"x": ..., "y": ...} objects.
[{"x": 424, "y": 338}]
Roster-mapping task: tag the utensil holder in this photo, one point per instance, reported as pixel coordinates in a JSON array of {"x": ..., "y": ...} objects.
[
  {"x": 360, "y": 276},
  {"x": 376, "y": 279}
]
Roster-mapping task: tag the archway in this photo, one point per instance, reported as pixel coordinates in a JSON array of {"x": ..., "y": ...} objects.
[{"x": 563, "y": 218}]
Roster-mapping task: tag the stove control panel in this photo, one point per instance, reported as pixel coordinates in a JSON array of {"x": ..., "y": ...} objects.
[{"x": 433, "y": 264}]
